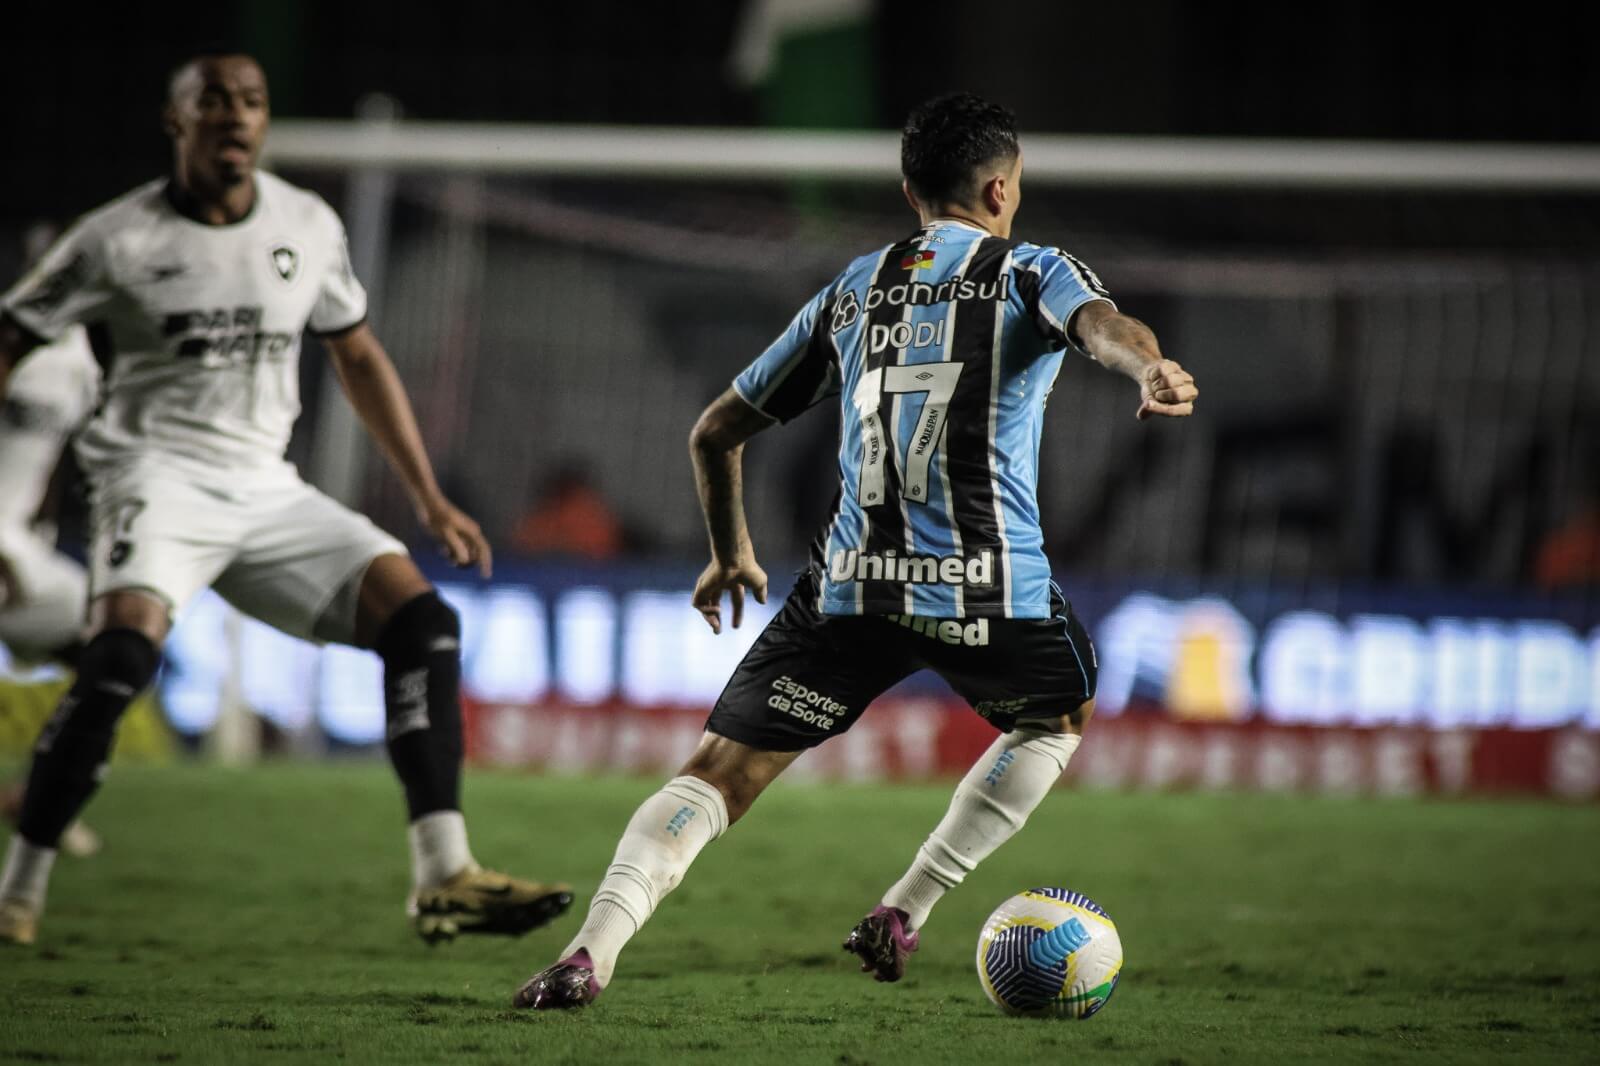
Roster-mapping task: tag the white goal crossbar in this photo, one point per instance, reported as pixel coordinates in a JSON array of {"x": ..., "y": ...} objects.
[{"x": 738, "y": 154}]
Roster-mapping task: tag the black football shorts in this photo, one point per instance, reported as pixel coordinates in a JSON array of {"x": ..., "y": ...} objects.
[{"x": 809, "y": 675}]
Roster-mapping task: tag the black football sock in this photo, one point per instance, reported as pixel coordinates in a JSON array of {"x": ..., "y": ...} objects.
[
  {"x": 421, "y": 650},
  {"x": 71, "y": 752}
]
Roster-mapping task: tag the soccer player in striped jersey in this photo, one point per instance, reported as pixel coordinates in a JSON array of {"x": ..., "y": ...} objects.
[{"x": 942, "y": 349}]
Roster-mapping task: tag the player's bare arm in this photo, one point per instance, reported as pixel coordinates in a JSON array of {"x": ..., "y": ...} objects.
[
  {"x": 716, "y": 445},
  {"x": 373, "y": 385},
  {"x": 1126, "y": 345}
]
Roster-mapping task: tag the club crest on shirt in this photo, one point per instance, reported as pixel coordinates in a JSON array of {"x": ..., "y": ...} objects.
[{"x": 286, "y": 261}]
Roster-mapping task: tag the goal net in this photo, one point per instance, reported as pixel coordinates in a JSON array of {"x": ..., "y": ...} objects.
[{"x": 1394, "y": 343}]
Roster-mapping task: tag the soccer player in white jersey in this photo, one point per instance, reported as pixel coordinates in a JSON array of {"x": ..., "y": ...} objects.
[
  {"x": 43, "y": 592},
  {"x": 205, "y": 282},
  {"x": 942, "y": 349}
]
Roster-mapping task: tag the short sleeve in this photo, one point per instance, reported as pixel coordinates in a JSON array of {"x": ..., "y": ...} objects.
[
  {"x": 68, "y": 286},
  {"x": 799, "y": 369},
  {"x": 1065, "y": 283},
  {"x": 341, "y": 302}
]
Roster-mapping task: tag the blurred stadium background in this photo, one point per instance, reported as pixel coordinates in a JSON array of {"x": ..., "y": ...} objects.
[{"x": 1369, "y": 563}]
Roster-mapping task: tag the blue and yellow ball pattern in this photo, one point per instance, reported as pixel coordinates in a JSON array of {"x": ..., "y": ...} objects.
[{"x": 1051, "y": 952}]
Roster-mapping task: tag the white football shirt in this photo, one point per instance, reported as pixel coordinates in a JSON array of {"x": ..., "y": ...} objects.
[
  {"x": 48, "y": 396},
  {"x": 204, "y": 321}
]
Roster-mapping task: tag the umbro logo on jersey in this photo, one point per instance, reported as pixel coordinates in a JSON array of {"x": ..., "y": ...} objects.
[
  {"x": 168, "y": 272},
  {"x": 286, "y": 261}
]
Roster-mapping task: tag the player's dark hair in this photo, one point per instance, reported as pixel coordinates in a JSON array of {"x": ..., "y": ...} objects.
[
  {"x": 209, "y": 50},
  {"x": 948, "y": 139}
]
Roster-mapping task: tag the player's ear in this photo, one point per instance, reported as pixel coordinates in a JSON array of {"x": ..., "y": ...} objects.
[
  {"x": 996, "y": 192},
  {"x": 911, "y": 197},
  {"x": 169, "y": 119}
]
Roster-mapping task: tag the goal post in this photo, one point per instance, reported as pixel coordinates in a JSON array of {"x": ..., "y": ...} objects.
[{"x": 710, "y": 154}]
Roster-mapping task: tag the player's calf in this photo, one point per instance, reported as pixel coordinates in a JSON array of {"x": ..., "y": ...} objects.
[
  {"x": 420, "y": 645},
  {"x": 68, "y": 762},
  {"x": 662, "y": 839},
  {"x": 72, "y": 749},
  {"x": 990, "y": 804},
  {"x": 421, "y": 650}
]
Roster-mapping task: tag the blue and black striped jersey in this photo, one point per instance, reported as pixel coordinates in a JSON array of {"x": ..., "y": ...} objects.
[{"x": 943, "y": 348}]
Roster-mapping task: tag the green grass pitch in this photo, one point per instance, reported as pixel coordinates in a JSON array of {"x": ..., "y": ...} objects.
[{"x": 255, "y": 916}]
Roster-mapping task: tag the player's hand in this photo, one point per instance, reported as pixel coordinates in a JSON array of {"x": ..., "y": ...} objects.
[
  {"x": 459, "y": 537},
  {"x": 733, "y": 580},
  {"x": 1166, "y": 389}
]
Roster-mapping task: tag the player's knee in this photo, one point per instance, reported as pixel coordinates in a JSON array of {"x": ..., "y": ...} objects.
[
  {"x": 113, "y": 668},
  {"x": 420, "y": 626},
  {"x": 1055, "y": 745},
  {"x": 738, "y": 797},
  {"x": 1074, "y": 721},
  {"x": 737, "y": 771},
  {"x": 121, "y": 655},
  {"x": 737, "y": 787}
]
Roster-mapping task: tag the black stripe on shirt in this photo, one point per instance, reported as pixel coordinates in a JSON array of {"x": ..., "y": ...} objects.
[
  {"x": 1029, "y": 289},
  {"x": 967, "y": 443},
  {"x": 886, "y": 525},
  {"x": 811, "y": 374}
]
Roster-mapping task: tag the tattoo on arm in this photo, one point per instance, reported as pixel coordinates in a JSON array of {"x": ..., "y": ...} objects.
[
  {"x": 716, "y": 446},
  {"x": 1123, "y": 343}
]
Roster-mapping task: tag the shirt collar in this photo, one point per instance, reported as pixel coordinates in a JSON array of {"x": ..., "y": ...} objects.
[{"x": 938, "y": 222}]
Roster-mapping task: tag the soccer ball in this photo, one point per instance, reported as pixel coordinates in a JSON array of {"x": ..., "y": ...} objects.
[{"x": 1049, "y": 952}]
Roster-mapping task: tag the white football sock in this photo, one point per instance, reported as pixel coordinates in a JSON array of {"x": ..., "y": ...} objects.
[
  {"x": 662, "y": 839},
  {"x": 991, "y": 803},
  {"x": 438, "y": 848},
  {"x": 26, "y": 874}
]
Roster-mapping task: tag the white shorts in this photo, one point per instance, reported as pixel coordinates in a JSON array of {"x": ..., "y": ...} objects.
[
  {"x": 271, "y": 545},
  {"x": 45, "y": 612}
]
